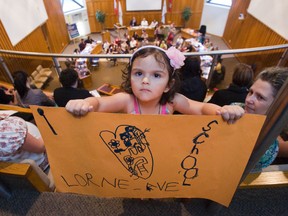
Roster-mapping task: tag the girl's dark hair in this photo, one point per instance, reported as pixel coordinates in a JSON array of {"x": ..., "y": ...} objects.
[
  {"x": 162, "y": 59},
  {"x": 20, "y": 80},
  {"x": 243, "y": 75}
]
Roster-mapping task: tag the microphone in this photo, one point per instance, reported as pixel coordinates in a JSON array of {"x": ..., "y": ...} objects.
[{"x": 41, "y": 113}]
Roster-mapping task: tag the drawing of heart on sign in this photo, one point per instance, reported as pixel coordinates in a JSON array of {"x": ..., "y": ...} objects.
[{"x": 129, "y": 144}]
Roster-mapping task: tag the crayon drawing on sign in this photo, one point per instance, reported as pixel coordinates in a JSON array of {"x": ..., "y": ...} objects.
[{"x": 131, "y": 147}]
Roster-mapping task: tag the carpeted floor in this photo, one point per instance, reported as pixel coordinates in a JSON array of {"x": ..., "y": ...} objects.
[{"x": 246, "y": 202}]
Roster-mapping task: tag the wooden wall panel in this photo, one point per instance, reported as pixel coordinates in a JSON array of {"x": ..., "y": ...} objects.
[
  {"x": 50, "y": 37},
  {"x": 57, "y": 34},
  {"x": 250, "y": 33}
]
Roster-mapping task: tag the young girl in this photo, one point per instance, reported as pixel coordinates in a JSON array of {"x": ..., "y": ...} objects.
[{"x": 150, "y": 84}]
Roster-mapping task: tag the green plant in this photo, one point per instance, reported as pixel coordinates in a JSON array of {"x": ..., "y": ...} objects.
[
  {"x": 186, "y": 14},
  {"x": 100, "y": 17}
]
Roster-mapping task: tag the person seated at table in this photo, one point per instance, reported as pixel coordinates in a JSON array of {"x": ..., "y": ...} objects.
[
  {"x": 218, "y": 74},
  {"x": 82, "y": 45},
  {"x": 21, "y": 140},
  {"x": 27, "y": 95},
  {"x": 237, "y": 91},
  {"x": 69, "y": 80},
  {"x": 159, "y": 32},
  {"x": 133, "y": 44},
  {"x": 144, "y": 35},
  {"x": 105, "y": 46},
  {"x": 136, "y": 36},
  {"x": 133, "y": 22},
  {"x": 170, "y": 39},
  {"x": 192, "y": 86},
  {"x": 144, "y": 23},
  {"x": 153, "y": 24},
  {"x": 179, "y": 43},
  {"x": 163, "y": 45},
  {"x": 89, "y": 40},
  {"x": 208, "y": 44}
]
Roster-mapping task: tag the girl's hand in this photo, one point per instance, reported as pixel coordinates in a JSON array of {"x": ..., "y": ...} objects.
[
  {"x": 79, "y": 107},
  {"x": 231, "y": 113}
]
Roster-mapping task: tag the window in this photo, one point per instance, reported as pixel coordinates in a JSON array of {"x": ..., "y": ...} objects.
[
  {"x": 226, "y": 3},
  {"x": 72, "y": 5}
]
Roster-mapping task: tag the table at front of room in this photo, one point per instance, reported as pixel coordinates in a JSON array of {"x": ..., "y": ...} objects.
[
  {"x": 138, "y": 29},
  {"x": 188, "y": 33}
]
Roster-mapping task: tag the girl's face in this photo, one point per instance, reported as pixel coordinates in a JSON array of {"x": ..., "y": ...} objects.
[
  {"x": 149, "y": 79},
  {"x": 259, "y": 98}
]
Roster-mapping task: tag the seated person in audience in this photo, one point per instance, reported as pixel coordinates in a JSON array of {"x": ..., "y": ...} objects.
[
  {"x": 187, "y": 47},
  {"x": 89, "y": 40},
  {"x": 159, "y": 32},
  {"x": 237, "y": 91},
  {"x": 163, "y": 45},
  {"x": 6, "y": 96},
  {"x": 133, "y": 44},
  {"x": 259, "y": 99},
  {"x": 82, "y": 45},
  {"x": 135, "y": 35},
  {"x": 192, "y": 86},
  {"x": 217, "y": 74},
  {"x": 105, "y": 46},
  {"x": 27, "y": 95},
  {"x": 144, "y": 23},
  {"x": 208, "y": 44},
  {"x": 145, "y": 42},
  {"x": 144, "y": 35},
  {"x": 21, "y": 140},
  {"x": 153, "y": 24},
  {"x": 170, "y": 39},
  {"x": 179, "y": 43},
  {"x": 124, "y": 47},
  {"x": 69, "y": 91},
  {"x": 133, "y": 22}
]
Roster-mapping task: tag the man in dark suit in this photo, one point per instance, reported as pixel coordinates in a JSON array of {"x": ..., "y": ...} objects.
[
  {"x": 69, "y": 80},
  {"x": 133, "y": 22}
]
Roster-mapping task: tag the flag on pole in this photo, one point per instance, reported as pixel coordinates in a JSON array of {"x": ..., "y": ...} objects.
[
  {"x": 170, "y": 6},
  {"x": 164, "y": 11},
  {"x": 120, "y": 14},
  {"x": 115, "y": 7}
]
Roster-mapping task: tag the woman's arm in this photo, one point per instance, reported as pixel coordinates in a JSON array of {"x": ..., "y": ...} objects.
[
  {"x": 33, "y": 144},
  {"x": 283, "y": 147}
]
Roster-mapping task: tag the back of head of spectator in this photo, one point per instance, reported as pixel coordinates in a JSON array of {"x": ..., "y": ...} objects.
[
  {"x": 21, "y": 82},
  {"x": 191, "y": 67},
  {"x": 69, "y": 78},
  {"x": 243, "y": 75}
]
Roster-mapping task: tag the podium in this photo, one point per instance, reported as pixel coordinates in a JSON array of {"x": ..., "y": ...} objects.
[{"x": 106, "y": 36}]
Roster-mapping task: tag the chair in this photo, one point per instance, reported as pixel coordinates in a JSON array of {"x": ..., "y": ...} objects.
[
  {"x": 94, "y": 62},
  {"x": 28, "y": 173},
  {"x": 38, "y": 80},
  {"x": 44, "y": 71}
]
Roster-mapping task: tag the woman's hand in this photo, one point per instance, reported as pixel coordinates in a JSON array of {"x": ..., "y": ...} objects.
[
  {"x": 230, "y": 113},
  {"x": 79, "y": 107}
]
